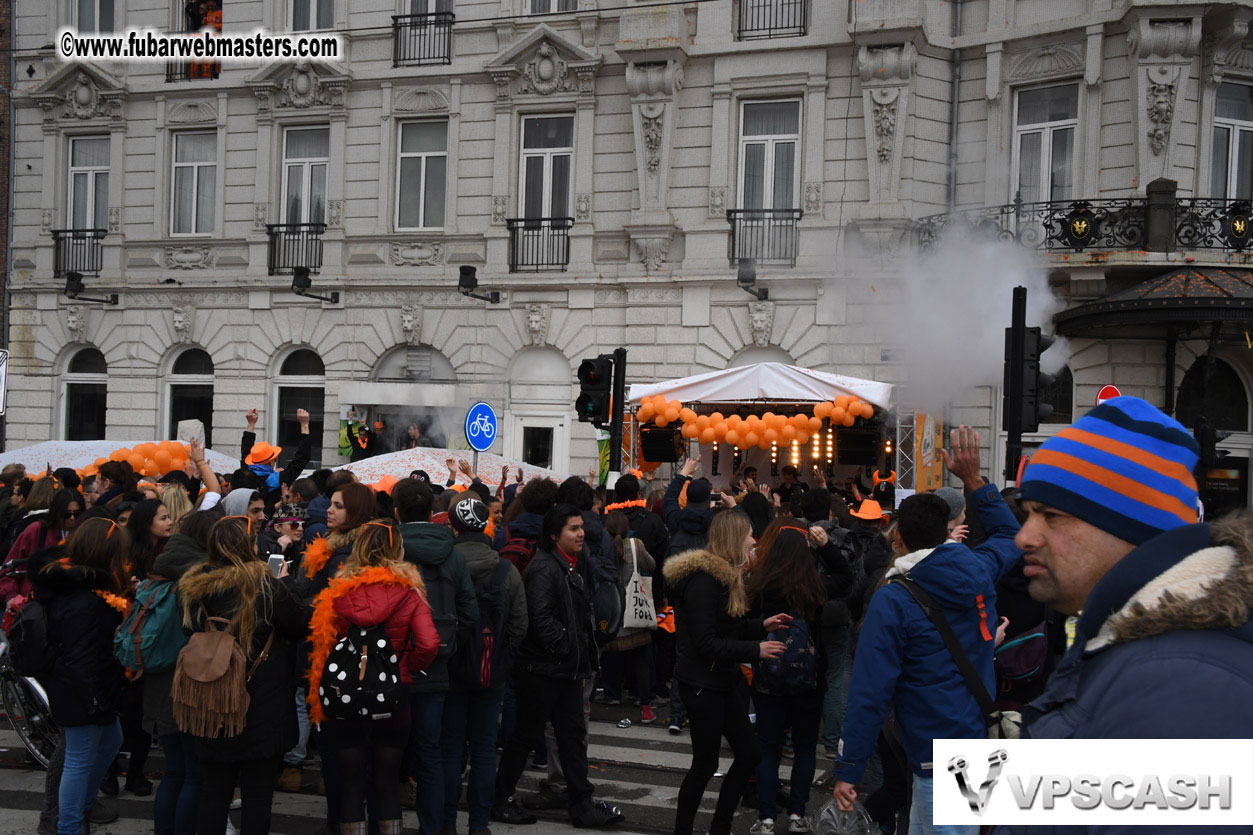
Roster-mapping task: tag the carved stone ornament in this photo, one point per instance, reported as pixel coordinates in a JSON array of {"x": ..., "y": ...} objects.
[
  {"x": 544, "y": 63},
  {"x": 184, "y": 317},
  {"x": 1049, "y": 62},
  {"x": 189, "y": 258},
  {"x": 761, "y": 321},
  {"x": 887, "y": 64},
  {"x": 884, "y": 126},
  {"x": 1226, "y": 51},
  {"x": 115, "y": 219},
  {"x": 546, "y": 73},
  {"x": 1160, "y": 94},
  {"x": 411, "y": 323},
  {"x": 298, "y": 86},
  {"x": 654, "y": 79},
  {"x": 652, "y": 243},
  {"x": 260, "y": 215},
  {"x": 652, "y": 130},
  {"x": 191, "y": 113},
  {"x": 423, "y": 100},
  {"x": 1174, "y": 40},
  {"x": 537, "y": 317},
  {"x": 717, "y": 202},
  {"x": 76, "y": 323},
  {"x": 334, "y": 213},
  {"x": 582, "y": 207},
  {"x": 83, "y": 100},
  {"x": 418, "y": 253},
  {"x": 813, "y": 198},
  {"x": 74, "y": 93},
  {"x": 47, "y": 219},
  {"x": 500, "y": 208}
]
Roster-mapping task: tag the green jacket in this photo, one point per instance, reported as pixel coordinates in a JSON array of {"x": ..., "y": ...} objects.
[{"x": 430, "y": 548}]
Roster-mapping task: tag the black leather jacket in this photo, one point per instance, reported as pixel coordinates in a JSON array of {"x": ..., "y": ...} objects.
[{"x": 558, "y": 641}]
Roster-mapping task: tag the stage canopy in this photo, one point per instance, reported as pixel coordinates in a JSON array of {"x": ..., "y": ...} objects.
[
  {"x": 765, "y": 382},
  {"x": 80, "y": 454}
]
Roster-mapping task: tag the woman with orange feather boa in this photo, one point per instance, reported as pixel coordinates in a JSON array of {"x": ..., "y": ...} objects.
[{"x": 374, "y": 587}]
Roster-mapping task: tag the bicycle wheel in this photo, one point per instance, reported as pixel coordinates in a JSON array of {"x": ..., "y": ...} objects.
[{"x": 29, "y": 717}]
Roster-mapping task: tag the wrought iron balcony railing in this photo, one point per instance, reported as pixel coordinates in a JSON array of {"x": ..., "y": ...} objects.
[
  {"x": 1076, "y": 225},
  {"x": 193, "y": 69},
  {"x": 422, "y": 39},
  {"x": 539, "y": 244},
  {"x": 295, "y": 245},
  {"x": 767, "y": 236},
  {"x": 77, "y": 251},
  {"x": 759, "y": 19},
  {"x": 1213, "y": 223}
]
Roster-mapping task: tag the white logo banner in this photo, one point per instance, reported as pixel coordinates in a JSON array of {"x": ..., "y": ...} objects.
[{"x": 1066, "y": 782}]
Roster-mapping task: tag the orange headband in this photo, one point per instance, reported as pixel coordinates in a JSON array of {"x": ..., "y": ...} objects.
[
  {"x": 793, "y": 528},
  {"x": 391, "y": 532}
]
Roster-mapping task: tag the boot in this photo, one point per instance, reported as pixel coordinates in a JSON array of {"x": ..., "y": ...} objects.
[
  {"x": 353, "y": 828},
  {"x": 389, "y": 827},
  {"x": 289, "y": 780}
]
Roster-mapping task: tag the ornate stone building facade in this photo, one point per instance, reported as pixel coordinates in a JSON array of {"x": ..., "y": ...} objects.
[{"x": 606, "y": 166}]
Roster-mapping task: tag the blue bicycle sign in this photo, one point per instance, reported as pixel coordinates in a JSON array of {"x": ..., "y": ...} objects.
[{"x": 480, "y": 427}]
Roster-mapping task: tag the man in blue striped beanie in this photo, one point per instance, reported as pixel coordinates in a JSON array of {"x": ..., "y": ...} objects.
[{"x": 1164, "y": 641}]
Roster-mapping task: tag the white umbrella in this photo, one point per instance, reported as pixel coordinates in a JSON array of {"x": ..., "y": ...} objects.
[
  {"x": 79, "y": 454},
  {"x": 432, "y": 461}
]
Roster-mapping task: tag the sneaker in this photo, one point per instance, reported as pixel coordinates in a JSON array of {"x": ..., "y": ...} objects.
[
  {"x": 540, "y": 760},
  {"x": 613, "y": 702},
  {"x": 647, "y": 717},
  {"x": 599, "y": 815},
  {"x": 547, "y": 798},
  {"x": 624, "y": 723},
  {"x": 677, "y": 726},
  {"x": 47, "y": 824},
  {"x": 798, "y": 823},
  {"x": 109, "y": 785},
  {"x": 764, "y": 826},
  {"x": 510, "y": 812},
  {"x": 139, "y": 785},
  {"x": 102, "y": 812},
  {"x": 289, "y": 779}
]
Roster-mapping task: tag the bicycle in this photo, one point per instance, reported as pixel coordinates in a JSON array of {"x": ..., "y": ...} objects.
[
  {"x": 481, "y": 426},
  {"x": 25, "y": 704}
]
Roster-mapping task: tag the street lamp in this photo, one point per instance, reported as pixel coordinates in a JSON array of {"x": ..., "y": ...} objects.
[
  {"x": 747, "y": 279},
  {"x": 74, "y": 288},
  {"x": 301, "y": 282},
  {"x": 468, "y": 282}
]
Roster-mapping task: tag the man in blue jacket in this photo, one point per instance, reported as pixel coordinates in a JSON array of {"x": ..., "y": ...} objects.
[{"x": 902, "y": 660}]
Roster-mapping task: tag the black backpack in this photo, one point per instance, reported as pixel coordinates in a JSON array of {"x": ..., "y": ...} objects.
[
  {"x": 32, "y": 651},
  {"x": 441, "y": 595},
  {"x": 484, "y": 662},
  {"x": 361, "y": 677}
]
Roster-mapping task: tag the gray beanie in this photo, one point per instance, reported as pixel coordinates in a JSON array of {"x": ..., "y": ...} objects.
[{"x": 956, "y": 501}]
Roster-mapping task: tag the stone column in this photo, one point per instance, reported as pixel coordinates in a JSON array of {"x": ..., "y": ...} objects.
[{"x": 1163, "y": 52}]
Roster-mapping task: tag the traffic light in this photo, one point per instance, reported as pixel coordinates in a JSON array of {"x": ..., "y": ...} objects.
[
  {"x": 595, "y": 390},
  {"x": 1024, "y": 381}
]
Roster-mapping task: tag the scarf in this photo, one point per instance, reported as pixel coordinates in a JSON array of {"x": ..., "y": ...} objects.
[
  {"x": 267, "y": 474},
  {"x": 574, "y": 561},
  {"x": 905, "y": 564}
]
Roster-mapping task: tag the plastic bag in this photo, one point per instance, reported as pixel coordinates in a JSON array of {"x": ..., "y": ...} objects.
[{"x": 831, "y": 821}]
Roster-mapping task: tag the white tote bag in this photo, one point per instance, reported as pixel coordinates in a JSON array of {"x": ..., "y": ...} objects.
[{"x": 638, "y": 613}]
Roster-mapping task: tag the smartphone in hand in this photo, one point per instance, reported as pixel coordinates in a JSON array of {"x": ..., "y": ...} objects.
[{"x": 276, "y": 564}]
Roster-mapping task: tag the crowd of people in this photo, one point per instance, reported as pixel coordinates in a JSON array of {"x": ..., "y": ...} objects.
[{"x": 431, "y": 638}]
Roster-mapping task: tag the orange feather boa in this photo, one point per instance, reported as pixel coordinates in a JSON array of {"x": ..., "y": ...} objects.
[
  {"x": 316, "y": 556},
  {"x": 325, "y": 625}
]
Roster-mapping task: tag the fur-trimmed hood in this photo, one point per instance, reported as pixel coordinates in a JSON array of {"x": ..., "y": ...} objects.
[
  {"x": 56, "y": 577},
  {"x": 318, "y": 552},
  {"x": 680, "y": 567},
  {"x": 205, "y": 581},
  {"x": 1208, "y": 587}
]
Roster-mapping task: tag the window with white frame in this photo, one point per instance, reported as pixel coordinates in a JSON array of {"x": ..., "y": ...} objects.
[
  {"x": 1046, "y": 120},
  {"x": 1231, "y": 173},
  {"x": 770, "y": 138},
  {"x": 421, "y": 172},
  {"x": 312, "y": 14},
  {"x": 306, "y": 154},
  {"x": 95, "y": 15},
  {"x": 193, "y": 183},
  {"x": 548, "y": 6},
  {"x": 85, "y": 395},
  {"x": 429, "y": 6},
  {"x": 89, "y": 182},
  {"x": 547, "y": 160},
  {"x": 191, "y": 392},
  {"x": 300, "y": 384}
]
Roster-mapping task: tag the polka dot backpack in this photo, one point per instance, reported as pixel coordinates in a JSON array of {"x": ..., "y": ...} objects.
[{"x": 361, "y": 679}]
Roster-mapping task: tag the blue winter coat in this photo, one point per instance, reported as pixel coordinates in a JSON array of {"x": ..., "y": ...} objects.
[
  {"x": 902, "y": 660},
  {"x": 1179, "y": 668}
]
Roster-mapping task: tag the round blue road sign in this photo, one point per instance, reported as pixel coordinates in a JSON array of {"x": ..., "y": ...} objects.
[{"x": 480, "y": 427}]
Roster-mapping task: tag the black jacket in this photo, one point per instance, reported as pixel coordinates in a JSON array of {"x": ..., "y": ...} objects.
[
  {"x": 430, "y": 548},
  {"x": 710, "y": 643},
  {"x": 180, "y": 554},
  {"x": 86, "y": 681},
  {"x": 270, "y": 728},
  {"x": 559, "y": 642},
  {"x": 649, "y": 529},
  {"x": 288, "y": 475}
]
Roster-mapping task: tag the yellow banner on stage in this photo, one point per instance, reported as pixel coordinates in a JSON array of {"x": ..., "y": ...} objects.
[{"x": 928, "y": 461}]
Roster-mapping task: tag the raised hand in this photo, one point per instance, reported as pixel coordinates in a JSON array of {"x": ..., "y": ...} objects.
[
  {"x": 962, "y": 457},
  {"x": 251, "y": 416}
]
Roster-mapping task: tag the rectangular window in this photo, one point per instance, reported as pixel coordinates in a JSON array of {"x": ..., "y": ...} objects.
[
  {"x": 307, "y": 15},
  {"x": 89, "y": 182},
  {"x": 429, "y": 6},
  {"x": 1232, "y": 167},
  {"x": 770, "y": 136},
  {"x": 549, "y": 6},
  {"x": 421, "y": 171},
  {"x": 95, "y": 15},
  {"x": 547, "y": 160},
  {"x": 193, "y": 183},
  {"x": 306, "y": 153},
  {"x": 1045, "y": 123}
]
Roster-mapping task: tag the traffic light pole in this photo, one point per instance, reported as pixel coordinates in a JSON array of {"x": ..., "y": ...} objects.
[
  {"x": 617, "y": 410},
  {"x": 1014, "y": 355}
]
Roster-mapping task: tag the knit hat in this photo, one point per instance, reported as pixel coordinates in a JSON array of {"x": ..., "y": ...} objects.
[
  {"x": 698, "y": 492},
  {"x": 956, "y": 501},
  {"x": 469, "y": 515},
  {"x": 1124, "y": 467}
]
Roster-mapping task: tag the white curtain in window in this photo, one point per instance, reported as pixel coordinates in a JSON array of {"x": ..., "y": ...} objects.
[
  {"x": 1220, "y": 160},
  {"x": 784, "y": 175},
  {"x": 772, "y": 118},
  {"x": 424, "y": 137},
  {"x": 1061, "y": 176},
  {"x": 87, "y": 153},
  {"x": 1244, "y": 166},
  {"x": 308, "y": 143},
  {"x": 1029, "y": 166},
  {"x": 1048, "y": 104},
  {"x": 434, "y": 190}
]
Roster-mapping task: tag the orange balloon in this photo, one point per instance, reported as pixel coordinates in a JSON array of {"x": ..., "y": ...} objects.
[
  {"x": 802, "y": 436},
  {"x": 841, "y": 400},
  {"x": 720, "y": 430},
  {"x": 770, "y": 436},
  {"x": 687, "y": 414},
  {"x": 800, "y": 421},
  {"x": 163, "y": 460},
  {"x": 837, "y": 414},
  {"x": 703, "y": 422},
  {"x": 716, "y": 417},
  {"x": 822, "y": 410},
  {"x": 707, "y": 437},
  {"x": 867, "y": 410},
  {"x": 646, "y": 412},
  {"x": 147, "y": 450},
  {"x": 689, "y": 430},
  {"x": 762, "y": 443},
  {"x": 672, "y": 414},
  {"x": 849, "y": 420},
  {"x": 734, "y": 421},
  {"x": 733, "y": 437},
  {"x": 120, "y": 454},
  {"x": 662, "y": 422},
  {"x": 768, "y": 418},
  {"x": 99, "y": 461},
  {"x": 788, "y": 434},
  {"x": 751, "y": 438},
  {"x": 136, "y": 461},
  {"x": 150, "y": 467},
  {"x": 815, "y": 424},
  {"x": 674, "y": 404}
]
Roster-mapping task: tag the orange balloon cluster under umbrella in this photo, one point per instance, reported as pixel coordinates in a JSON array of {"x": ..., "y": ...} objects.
[
  {"x": 147, "y": 459},
  {"x": 761, "y": 431}
]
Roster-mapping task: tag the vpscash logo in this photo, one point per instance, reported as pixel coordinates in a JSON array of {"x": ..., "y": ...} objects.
[{"x": 1083, "y": 782}]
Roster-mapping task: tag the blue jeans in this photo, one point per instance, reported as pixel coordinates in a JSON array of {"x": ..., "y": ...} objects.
[
  {"x": 774, "y": 715},
  {"x": 296, "y": 756},
  {"x": 426, "y": 760},
  {"x": 836, "y": 700},
  {"x": 174, "y": 807},
  {"x": 470, "y": 716},
  {"x": 89, "y": 749},
  {"x": 921, "y": 813}
]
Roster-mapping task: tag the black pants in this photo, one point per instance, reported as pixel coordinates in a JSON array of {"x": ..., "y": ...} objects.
[
  {"x": 542, "y": 699},
  {"x": 255, "y": 778},
  {"x": 369, "y": 754},
  {"x": 714, "y": 715}
]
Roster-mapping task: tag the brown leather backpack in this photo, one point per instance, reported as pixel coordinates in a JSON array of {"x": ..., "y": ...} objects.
[{"x": 210, "y": 689}]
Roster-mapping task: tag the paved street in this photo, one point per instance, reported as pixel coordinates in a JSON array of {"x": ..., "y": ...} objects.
[{"x": 638, "y": 768}]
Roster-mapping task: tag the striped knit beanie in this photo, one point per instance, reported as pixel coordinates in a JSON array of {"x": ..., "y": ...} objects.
[{"x": 1124, "y": 467}]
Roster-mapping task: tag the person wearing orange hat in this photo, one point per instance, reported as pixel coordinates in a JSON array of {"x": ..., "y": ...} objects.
[{"x": 261, "y": 458}]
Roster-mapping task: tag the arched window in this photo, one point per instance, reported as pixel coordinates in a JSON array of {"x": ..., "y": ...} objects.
[
  {"x": 85, "y": 396},
  {"x": 1060, "y": 394},
  {"x": 414, "y": 364},
  {"x": 191, "y": 391},
  {"x": 300, "y": 384},
  {"x": 1228, "y": 402}
]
